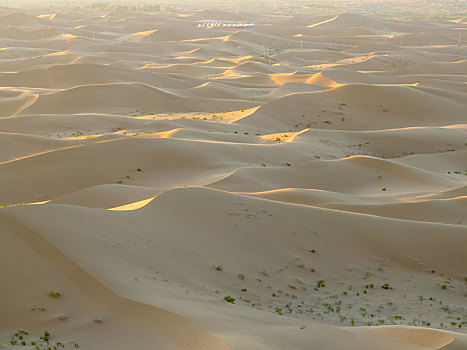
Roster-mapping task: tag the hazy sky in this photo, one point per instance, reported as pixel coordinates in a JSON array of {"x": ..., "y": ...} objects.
[
  {"x": 226, "y": 2},
  {"x": 403, "y": 8}
]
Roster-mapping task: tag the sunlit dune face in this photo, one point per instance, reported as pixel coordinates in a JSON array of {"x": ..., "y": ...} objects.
[
  {"x": 48, "y": 16},
  {"x": 205, "y": 62},
  {"x": 283, "y": 136},
  {"x": 83, "y": 137},
  {"x": 460, "y": 20},
  {"x": 231, "y": 117},
  {"x": 203, "y": 85},
  {"x": 22, "y": 204},
  {"x": 149, "y": 66},
  {"x": 284, "y": 78},
  {"x": 181, "y": 58},
  {"x": 323, "y": 22},
  {"x": 133, "y": 206},
  {"x": 192, "y": 51},
  {"x": 69, "y": 36},
  {"x": 231, "y": 74},
  {"x": 222, "y": 117},
  {"x": 167, "y": 134},
  {"x": 61, "y": 53},
  {"x": 240, "y": 59},
  {"x": 138, "y": 36},
  {"x": 322, "y": 80},
  {"x": 143, "y": 34}
]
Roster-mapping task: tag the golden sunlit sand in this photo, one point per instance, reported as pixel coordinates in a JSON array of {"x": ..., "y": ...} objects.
[{"x": 296, "y": 184}]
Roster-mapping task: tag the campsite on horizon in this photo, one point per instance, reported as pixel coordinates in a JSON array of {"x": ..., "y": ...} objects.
[{"x": 233, "y": 175}]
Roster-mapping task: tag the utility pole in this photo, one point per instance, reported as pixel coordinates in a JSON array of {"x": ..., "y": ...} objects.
[{"x": 301, "y": 40}]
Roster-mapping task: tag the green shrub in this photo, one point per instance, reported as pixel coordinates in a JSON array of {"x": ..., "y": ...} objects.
[
  {"x": 229, "y": 299},
  {"x": 54, "y": 294}
]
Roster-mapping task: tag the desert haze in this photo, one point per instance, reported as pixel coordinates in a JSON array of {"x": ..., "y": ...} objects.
[{"x": 172, "y": 181}]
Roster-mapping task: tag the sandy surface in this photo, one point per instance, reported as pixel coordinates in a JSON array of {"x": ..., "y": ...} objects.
[{"x": 150, "y": 168}]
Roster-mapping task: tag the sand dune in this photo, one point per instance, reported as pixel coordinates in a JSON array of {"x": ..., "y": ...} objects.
[
  {"x": 186, "y": 69},
  {"x": 16, "y": 18},
  {"x": 336, "y": 77},
  {"x": 64, "y": 76},
  {"x": 14, "y": 101},
  {"x": 349, "y": 175},
  {"x": 89, "y": 304},
  {"x": 392, "y": 143},
  {"x": 100, "y": 154},
  {"x": 120, "y": 98},
  {"x": 425, "y": 39},
  {"x": 15, "y": 146},
  {"x": 445, "y": 211},
  {"x": 68, "y": 125},
  {"x": 34, "y": 34},
  {"x": 359, "y": 21},
  {"x": 410, "y": 106},
  {"x": 300, "y": 184},
  {"x": 453, "y": 68},
  {"x": 226, "y": 247},
  {"x": 107, "y": 196},
  {"x": 217, "y": 90}
]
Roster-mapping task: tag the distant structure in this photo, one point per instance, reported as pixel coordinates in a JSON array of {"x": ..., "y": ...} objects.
[{"x": 229, "y": 25}]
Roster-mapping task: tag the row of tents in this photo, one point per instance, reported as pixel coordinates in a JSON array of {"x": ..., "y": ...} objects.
[{"x": 233, "y": 25}]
